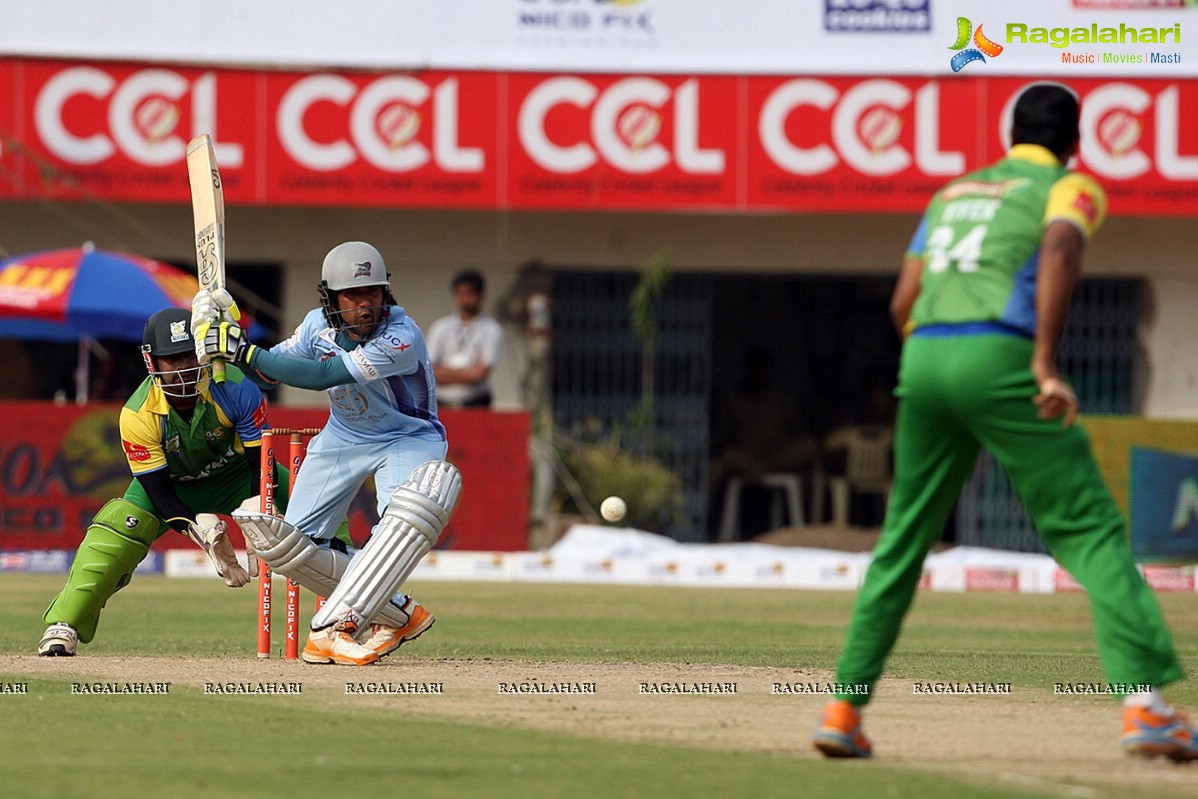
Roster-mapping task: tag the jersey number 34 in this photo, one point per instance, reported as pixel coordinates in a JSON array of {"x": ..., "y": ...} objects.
[{"x": 963, "y": 254}]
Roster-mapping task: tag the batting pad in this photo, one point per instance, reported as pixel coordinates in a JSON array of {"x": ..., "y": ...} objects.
[
  {"x": 291, "y": 553},
  {"x": 415, "y": 516}
]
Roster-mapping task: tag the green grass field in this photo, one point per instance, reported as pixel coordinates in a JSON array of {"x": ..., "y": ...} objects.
[{"x": 189, "y": 744}]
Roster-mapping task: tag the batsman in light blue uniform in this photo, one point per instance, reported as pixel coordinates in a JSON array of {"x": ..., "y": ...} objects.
[
  {"x": 371, "y": 357},
  {"x": 382, "y": 416}
]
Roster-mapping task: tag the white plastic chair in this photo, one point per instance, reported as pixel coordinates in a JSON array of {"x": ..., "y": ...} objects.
[
  {"x": 867, "y": 469},
  {"x": 787, "y": 499}
]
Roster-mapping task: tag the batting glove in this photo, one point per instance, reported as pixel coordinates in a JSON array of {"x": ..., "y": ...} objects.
[
  {"x": 213, "y": 306},
  {"x": 223, "y": 340}
]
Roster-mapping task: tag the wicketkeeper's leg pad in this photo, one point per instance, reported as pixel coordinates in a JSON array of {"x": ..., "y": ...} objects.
[
  {"x": 415, "y": 516},
  {"x": 118, "y": 538},
  {"x": 286, "y": 550}
]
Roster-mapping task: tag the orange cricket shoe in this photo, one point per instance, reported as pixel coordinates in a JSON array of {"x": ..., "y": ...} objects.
[
  {"x": 839, "y": 733},
  {"x": 1149, "y": 734},
  {"x": 384, "y": 640}
]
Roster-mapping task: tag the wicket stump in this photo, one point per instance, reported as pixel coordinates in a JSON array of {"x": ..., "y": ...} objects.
[{"x": 296, "y": 450}]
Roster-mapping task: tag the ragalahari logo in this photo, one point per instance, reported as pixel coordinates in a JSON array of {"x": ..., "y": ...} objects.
[{"x": 967, "y": 55}]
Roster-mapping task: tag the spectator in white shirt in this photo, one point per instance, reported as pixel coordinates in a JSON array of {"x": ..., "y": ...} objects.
[{"x": 465, "y": 346}]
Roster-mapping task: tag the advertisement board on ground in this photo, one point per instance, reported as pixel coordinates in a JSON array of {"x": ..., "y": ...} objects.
[{"x": 59, "y": 465}]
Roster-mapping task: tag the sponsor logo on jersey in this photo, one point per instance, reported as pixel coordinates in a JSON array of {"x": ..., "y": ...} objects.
[
  {"x": 1084, "y": 202},
  {"x": 982, "y": 188},
  {"x": 368, "y": 369},
  {"x": 135, "y": 452}
]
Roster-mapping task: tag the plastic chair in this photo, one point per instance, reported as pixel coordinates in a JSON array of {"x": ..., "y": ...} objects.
[
  {"x": 787, "y": 490},
  {"x": 867, "y": 470}
]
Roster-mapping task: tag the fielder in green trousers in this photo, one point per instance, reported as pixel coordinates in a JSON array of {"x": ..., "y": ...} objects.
[
  {"x": 958, "y": 393},
  {"x": 982, "y": 299}
]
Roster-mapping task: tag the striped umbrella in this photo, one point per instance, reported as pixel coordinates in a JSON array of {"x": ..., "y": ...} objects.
[
  {"x": 64, "y": 295},
  {"x": 86, "y": 293}
]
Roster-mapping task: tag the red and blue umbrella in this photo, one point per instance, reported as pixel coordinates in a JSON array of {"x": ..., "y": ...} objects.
[{"x": 74, "y": 294}]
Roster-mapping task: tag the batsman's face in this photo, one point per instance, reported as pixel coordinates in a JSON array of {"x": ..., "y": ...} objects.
[{"x": 361, "y": 310}]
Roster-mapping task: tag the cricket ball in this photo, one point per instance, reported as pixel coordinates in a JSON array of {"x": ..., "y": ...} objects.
[{"x": 613, "y": 509}]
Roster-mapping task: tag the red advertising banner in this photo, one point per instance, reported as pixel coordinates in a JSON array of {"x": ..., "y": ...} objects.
[
  {"x": 533, "y": 141},
  {"x": 120, "y": 132},
  {"x": 845, "y": 144},
  {"x": 614, "y": 142},
  {"x": 427, "y": 139},
  {"x": 59, "y": 465}
]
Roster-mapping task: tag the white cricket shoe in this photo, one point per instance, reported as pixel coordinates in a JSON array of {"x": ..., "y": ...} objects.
[
  {"x": 336, "y": 644},
  {"x": 59, "y": 640}
]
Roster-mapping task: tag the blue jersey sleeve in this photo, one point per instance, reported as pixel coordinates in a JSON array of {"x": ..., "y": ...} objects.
[
  {"x": 242, "y": 404},
  {"x": 301, "y": 372},
  {"x": 919, "y": 241}
]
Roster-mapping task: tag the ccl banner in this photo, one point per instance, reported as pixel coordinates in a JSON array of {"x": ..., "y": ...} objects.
[
  {"x": 536, "y": 141},
  {"x": 59, "y": 465}
]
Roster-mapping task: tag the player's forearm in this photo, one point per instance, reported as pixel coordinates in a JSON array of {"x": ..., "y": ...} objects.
[
  {"x": 906, "y": 291},
  {"x": 158, "y": 488},
  {"x": 253, "y": 457},
  {"x": 1059, "y": 267},
  {"x": 300, "y": 372}
]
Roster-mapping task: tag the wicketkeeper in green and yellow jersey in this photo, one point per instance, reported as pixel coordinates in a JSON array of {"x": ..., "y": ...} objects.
[
  {"x": 982, "y": 299},
  {"x": 193, "y": 447}
]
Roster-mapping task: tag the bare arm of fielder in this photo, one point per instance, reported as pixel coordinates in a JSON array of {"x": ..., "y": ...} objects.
[{"x": 1060, "y": 264}]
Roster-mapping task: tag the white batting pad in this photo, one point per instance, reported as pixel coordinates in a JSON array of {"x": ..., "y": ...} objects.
[
  {"x": 415, "y": 516},
  {"x": 292, "y": 554}
]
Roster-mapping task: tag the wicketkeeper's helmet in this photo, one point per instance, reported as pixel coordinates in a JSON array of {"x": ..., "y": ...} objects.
[{"x": 168, "y": 332}]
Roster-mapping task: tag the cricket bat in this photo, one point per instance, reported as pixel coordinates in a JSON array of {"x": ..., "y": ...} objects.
[{"x": 208, "y": 212}]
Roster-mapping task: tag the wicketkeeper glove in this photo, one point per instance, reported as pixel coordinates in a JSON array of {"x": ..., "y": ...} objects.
[
  {"x": 208, "y": 531},
  {"x": 223, "y": 340}
]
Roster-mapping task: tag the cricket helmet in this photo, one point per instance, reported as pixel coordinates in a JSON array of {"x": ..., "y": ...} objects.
[
  {"x": 354, "y": 264},
  {"x": 168, "y": 332}
]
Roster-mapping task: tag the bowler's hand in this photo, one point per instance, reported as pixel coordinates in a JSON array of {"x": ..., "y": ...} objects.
[{"x": 1056, "y": 398}]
